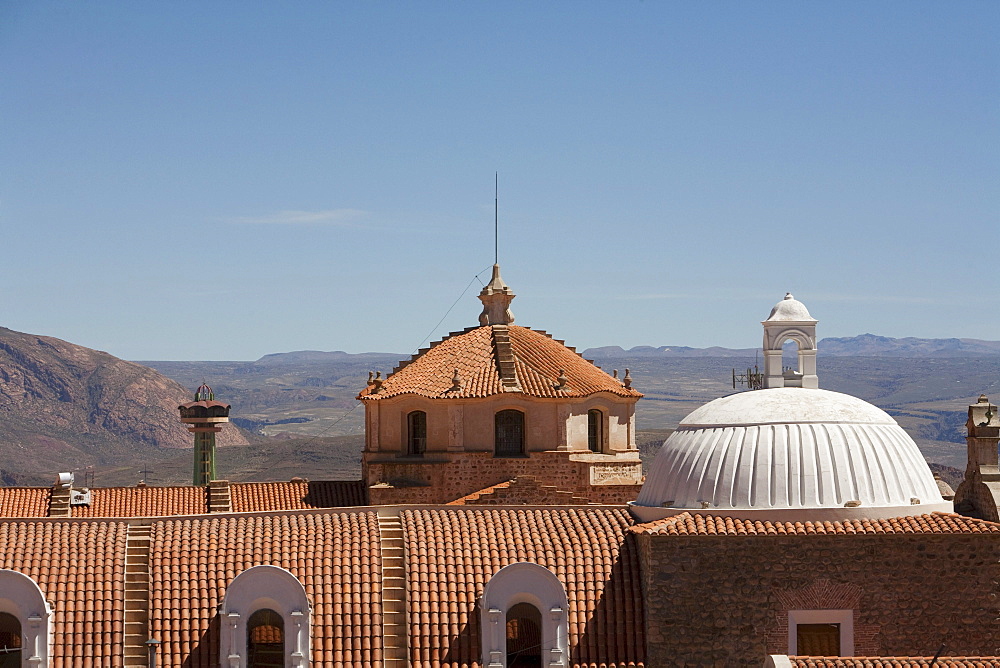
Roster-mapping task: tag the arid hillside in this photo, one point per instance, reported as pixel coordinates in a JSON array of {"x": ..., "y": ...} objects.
[{"x": 66, "y": 407}]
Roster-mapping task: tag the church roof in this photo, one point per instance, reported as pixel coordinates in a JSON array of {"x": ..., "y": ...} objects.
[
  {"x": 150, "y": 501},
  {"x": 894, "y": 662},
  {"x": 688, "y": 524},
  {"x": 335, "y": 555},
  {"x": 791, "y": 450},
  {"x": 589, "y": 550},
  {"x": 24, "y": 501},
  {"x": 80, "y": 568},
  {"x": 297, "y": 495},
  {"x": 494, "y": 359}
]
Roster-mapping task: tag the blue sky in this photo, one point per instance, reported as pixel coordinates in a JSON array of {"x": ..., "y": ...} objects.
[{"x": 223, "y": 180}]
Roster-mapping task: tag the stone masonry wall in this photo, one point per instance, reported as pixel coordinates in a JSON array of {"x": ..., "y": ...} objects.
[
  {"x": 724, "y": 600},
  {"x": 408, "y": 481}
]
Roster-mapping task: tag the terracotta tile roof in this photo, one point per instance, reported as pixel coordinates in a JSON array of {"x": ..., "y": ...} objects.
[
  {"x": 336, "y": 557},
  {"x": 894, "y": 662},
  {"x": 538, "y": 360},
  {"x": 687, "y": 524},
  {"x": 452, "y": 553},
  {"x": 297, "y": 495},
  {"x": 144, "y": 502},
  {"x": 80, "y": 568},
  {"x": 24, "y": 501}
]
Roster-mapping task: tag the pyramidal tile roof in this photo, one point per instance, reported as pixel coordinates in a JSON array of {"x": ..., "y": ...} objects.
[
  {"x": 493, "y": 359},
  {"x": 589, "y": 550},
  {"x": 688, "y": 524},
  {"x": 894, "y": 662}
]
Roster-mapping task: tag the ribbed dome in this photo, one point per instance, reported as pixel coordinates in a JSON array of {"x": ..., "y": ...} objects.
[
  {"x": 790, "y": 452},
  {"x": 790, "y": 309}
]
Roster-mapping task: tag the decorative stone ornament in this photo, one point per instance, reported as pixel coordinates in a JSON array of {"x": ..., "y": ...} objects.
[
  {"x": 496, "y": 298},
  {"x": 790, "y": 319}
]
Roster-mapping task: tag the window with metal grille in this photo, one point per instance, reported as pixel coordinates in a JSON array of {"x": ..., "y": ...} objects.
[
  {"x": 416, "y": 427},
  {"x": 10, "y": 641},
  {"x": 509, "y": 433},
  {"x": 524, "y": 636},
  {"x": 595, "y": 430},
  {"x": 265, "y": 640}
]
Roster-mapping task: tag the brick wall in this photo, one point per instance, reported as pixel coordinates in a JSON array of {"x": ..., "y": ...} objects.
[
  {"x": 724, "y": 600},
  {"x": 408, "y": 481}
]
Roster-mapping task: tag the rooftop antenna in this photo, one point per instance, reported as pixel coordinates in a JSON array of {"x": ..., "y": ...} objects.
[{"x": 496, "y": 218}]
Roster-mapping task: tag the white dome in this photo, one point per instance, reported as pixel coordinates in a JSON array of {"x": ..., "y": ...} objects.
[
  {"x": 790, "y": 309},
  {"x": 790, "y": 453}
]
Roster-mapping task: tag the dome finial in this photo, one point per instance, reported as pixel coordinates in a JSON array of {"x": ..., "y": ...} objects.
[{"x": 496, "y": 298}]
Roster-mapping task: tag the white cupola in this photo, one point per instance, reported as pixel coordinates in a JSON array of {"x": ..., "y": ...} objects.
[{"x": 790, "y": 319}]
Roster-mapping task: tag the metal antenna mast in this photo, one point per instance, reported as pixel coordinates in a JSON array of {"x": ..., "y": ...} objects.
[{"x": 496, "y": 218}]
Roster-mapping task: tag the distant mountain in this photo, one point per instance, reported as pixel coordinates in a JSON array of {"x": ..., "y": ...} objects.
[
  {"x": 63, "y": 406},
  {"x": 612, "y": 352},
  {"x": 865, "y": 345},
  {"x": 871, "y": 345}
]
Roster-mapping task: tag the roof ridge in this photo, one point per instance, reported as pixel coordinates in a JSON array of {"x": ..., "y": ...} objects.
[{"x": 503, "y": 352}]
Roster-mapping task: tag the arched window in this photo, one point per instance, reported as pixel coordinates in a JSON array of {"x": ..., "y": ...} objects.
[
  {"x": 595, "y": 430},
  {"x": 524, "y": 636},
  {"x": 508, "y": 439},
  {"x": 265, "y": 640},
  {"x": 416, "y": 433},
  {"x": 10, "y": 641},
  {"x": 25, "y": 622},
  {"x": 513, "y": 630},
  {"x": 265, "y": 619}
]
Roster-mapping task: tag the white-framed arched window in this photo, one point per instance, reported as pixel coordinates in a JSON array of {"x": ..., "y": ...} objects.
[
  {"x": 265, "y": 619},
  {"x": 524, "y": 618},
  {"x": 25, "y": 620}
]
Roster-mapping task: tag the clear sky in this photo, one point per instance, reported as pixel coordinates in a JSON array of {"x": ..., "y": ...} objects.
[{"x": 223, "y": 180}]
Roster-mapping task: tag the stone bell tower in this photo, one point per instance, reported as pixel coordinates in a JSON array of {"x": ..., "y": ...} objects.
[
  {"x": 979, "y": 493},
  {"x": 790, "y": 319},
  {"x": 205, "y": 417}
]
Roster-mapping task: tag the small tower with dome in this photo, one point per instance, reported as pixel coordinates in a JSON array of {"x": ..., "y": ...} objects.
[
  {"x": 204, "y": 417},
  {"x": 790, "y": 320}
]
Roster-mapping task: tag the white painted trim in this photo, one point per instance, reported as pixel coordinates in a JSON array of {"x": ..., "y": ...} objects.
[
  {"x": 524, "y": 582},
  {"x": 257, "y": 588},
  {"x": 843, "y": 617},
  {"x": 21, "y": 597}
]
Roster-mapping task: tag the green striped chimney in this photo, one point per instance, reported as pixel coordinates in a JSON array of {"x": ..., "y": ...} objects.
[{"x": 204, "y": 417}]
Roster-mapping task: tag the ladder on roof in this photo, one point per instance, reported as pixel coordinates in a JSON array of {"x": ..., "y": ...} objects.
[
  {"x": 137, "y": 596},
  {"x": 394, "y": 623}
]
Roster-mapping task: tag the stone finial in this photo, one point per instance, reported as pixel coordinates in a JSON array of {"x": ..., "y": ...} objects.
[
  {"x": 496, "y": 298},
  {"x": 627, "y": 380},
  {"x": 561, "y": 380},
  {"x": 615, "y": 374},
  {"x": 371, "y": 377},
  {"x": 377, "y": 381},
  {"x": 456, "y": 382}
]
